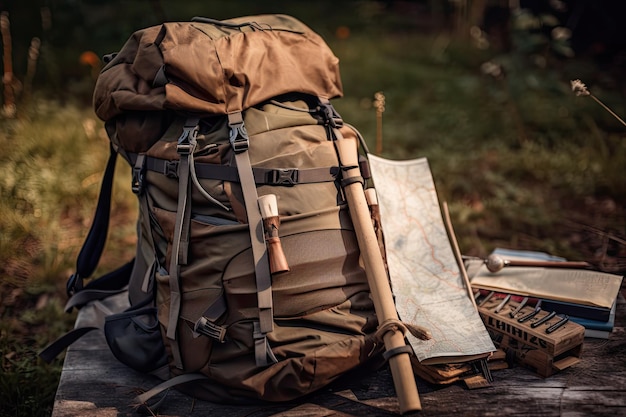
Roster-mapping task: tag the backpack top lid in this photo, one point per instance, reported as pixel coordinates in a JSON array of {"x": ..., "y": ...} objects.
[{"x": 214, "y": 67}]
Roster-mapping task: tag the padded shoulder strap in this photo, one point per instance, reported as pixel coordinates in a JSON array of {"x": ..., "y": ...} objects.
[
  {"x": 92, "y": 248},
  {"x": 107, "y": 285},
  {"x": 90, "y": 253}
]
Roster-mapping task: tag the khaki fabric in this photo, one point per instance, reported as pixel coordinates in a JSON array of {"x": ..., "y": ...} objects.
[
  {"x": 216, "y": 70},
  {"x": 275, "y": 70},
  {"x": 324, "y": 320}
]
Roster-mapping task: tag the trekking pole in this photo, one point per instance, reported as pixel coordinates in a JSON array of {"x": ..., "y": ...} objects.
[{"x": 396, "y": 349}]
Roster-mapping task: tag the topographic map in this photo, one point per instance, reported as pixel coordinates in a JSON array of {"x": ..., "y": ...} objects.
[{"x": 425, "y": 276}]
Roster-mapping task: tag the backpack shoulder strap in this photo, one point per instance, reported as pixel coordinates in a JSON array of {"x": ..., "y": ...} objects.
[
  {"x": 92, "y": 248},
  {"x": 86, "y": 263}
]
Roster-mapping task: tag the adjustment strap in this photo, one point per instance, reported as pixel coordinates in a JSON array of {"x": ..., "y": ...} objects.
[
  {"x": 206, "y": 324},
  {"x": 262, "y": 350},
  {"x": 262, "y": 176},
  {"x": 331, "y": 119},
  {"x": 186, "y": 145},
  {"x": 170, "y": 383},
  {"x": 59, "y": 345},
  {"x": 85, "y": 323},
  {"x": 100, "y": 288},
  {"x": 83, "y": 297},
  {"x": 240, "y": 143}
]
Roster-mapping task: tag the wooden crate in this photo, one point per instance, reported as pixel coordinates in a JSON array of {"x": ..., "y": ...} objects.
[
  {"x": 539, "y": 361},
  {"x": 564, "y": 339}
]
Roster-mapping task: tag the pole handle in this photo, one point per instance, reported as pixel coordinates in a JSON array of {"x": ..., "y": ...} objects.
[{"x": 271, "y": 223}]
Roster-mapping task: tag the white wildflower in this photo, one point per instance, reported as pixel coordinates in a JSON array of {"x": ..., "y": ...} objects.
[{"x": 579, "y": 88}]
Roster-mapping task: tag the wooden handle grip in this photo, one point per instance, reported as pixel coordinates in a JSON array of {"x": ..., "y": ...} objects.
[
  {"x": 271, "y": 222},
  {"x": 278, "y": 261}
]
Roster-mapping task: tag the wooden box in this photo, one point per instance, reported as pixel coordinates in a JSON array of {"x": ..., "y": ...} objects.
[
  {"x": 564, "y": 339},
  {"x": 533, "y": 346},
  {"x": 538, "y": 360}
]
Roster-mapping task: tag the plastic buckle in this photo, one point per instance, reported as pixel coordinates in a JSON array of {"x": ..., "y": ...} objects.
[
  {"x": 330, "y": 116},
  {"x": 239, "y": 138},
  {"x": 171, "y": 169},
  {"x": 137, "y": 181},
  {"x": 286, "y": 176},
  {"x": 74, "y": 284},
  {"x": 187, "y": 140},
  {"x": 212, "y": 330},
  {"x": 138, "y": 175}
]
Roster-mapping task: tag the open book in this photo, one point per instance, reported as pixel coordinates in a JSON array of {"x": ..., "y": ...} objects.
[
  {"x": 426, "y": 278},
  {"x": 578, "y": 286}
]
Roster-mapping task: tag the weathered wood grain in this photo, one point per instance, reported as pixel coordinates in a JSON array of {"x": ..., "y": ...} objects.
[{"x": 94, "y": 384}]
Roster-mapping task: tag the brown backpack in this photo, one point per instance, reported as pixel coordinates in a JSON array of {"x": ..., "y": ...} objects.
[{"x": 215, "y": 117}]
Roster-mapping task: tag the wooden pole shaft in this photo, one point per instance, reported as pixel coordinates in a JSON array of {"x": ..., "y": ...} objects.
[{"x": 400, "y": 364}]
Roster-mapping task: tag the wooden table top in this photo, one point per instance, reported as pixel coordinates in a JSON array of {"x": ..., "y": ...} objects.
[{"x": 94, "y": 384}]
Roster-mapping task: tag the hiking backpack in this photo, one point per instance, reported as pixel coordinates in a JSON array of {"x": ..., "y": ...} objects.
[{"x": 219, "y": 121}]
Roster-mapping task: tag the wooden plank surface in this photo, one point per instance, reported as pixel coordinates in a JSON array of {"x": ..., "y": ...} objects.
[{"x": 94, "y": 384}]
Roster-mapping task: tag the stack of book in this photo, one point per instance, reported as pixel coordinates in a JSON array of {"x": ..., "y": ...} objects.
[
  {"x": 585, "y": 296},
  {"x": 598, "y": 321}
]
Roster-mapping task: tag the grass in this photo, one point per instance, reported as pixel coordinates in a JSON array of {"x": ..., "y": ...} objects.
[
  {"x": 521, "y": 161},
  {"x": 52, "y": 163}
]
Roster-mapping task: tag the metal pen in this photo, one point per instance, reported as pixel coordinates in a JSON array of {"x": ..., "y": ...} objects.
[
  {"x": 502, "y": 304},
  {"x": 519, "y": 307},
  {"x": 543, "y": 319},
  {"x": 531, "y": 314},
  {"x": 558, "y": 324}
]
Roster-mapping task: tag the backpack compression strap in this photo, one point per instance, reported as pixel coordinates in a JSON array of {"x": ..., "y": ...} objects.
[
  {"x": 180, "y": 243},
  {"x": 239, "y": 140},
  {"x": 262, "y": 176}
]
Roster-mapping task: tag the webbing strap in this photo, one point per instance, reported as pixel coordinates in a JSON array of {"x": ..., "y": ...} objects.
[
  {"x": 180, "y": 244},
  {"x": 262, "y": 350},
  {"x": 170, "y": 383},
  {"x": 92, "y": 319},
  {"x": 206, "y": 324},
  {"x": 148, "y": 277},
  {"x": 83, "y": 297},
  {"x": 55, "y": 348},
  {"x": 262, "y": 176},
  {"x": 240, "y": 142},
  {"x": 92, "y": 248}
]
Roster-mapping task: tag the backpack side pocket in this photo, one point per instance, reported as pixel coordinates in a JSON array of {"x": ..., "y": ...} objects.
[{"x": 134, "y": 337}]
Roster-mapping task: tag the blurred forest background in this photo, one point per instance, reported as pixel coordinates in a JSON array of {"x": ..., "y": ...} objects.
[{"x": 481, "y": 88}]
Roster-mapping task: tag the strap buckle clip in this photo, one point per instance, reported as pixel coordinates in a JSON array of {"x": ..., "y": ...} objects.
[
  {"x": 283, "y": 176},
  {"x": 74, "y": 284},
  {"x": 138, "y": 175},
  {"x": 330, "y": 116},
  {"x": 187, "y": 140},
  {"x": 171, "y": 169},
  {"x": 239, "y": 139},
  {"x": 212, "y": 330}
]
